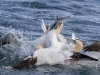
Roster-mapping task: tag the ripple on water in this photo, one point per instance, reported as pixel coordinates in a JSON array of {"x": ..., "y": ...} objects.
[{"x": 25, "y": 16}]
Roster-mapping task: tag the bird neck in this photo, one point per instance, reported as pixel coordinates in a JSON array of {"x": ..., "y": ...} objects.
[
  {"x": 58, "y": 29},
  {"x": 78, "y": 46}
]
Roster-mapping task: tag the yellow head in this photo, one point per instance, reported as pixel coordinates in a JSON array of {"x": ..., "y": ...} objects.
[{"x": 78, "y": 46}]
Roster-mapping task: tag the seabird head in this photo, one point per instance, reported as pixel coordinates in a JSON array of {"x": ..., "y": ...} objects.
[
  {"x": 78, "y": 44},
  {"x": 58, "y": 22}
]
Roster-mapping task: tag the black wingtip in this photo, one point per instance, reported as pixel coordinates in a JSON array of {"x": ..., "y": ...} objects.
[
  {"x": 79, "y": 56},
  {"x": 93, "y": 47},
  {"x": 25, "y": 63}
]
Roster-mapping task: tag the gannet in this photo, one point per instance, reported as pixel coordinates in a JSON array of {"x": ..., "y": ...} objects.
[
  {"x": 41, "y": 40},
  {"x": 51, "y": 39},
  {"x": 46, "y": 29},
  {"x": 51, "y": 56},
  {"x": 61, "y": 38},
  {"x": 55, "y": 30},
  {"x": 77, "y": 42}
]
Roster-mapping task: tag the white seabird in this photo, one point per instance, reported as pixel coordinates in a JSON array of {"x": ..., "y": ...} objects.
[
  {"x": 52, "y": 41},
  {"x": 51, "y": 56}
]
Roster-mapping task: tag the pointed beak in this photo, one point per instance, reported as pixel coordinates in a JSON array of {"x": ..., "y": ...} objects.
[
  {"x": 82, "y": 40},
  {"x": 58, "y": 22},
  {"x": 63, "y": 18},
  {"x": 70, "y": 40}
]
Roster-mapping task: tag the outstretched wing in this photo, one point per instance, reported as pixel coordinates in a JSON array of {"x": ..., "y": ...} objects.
[
  {"x": 93, "y": 47},
  {"x": 26, "y": 63},
  {"x": 79, "y": 56}
]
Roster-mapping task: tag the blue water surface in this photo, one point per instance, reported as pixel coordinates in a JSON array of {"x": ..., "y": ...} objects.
[{"x": 24, "y": 18}]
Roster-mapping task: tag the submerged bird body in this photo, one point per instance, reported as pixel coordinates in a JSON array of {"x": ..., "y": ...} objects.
[{"x": 9, "y": 38}]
